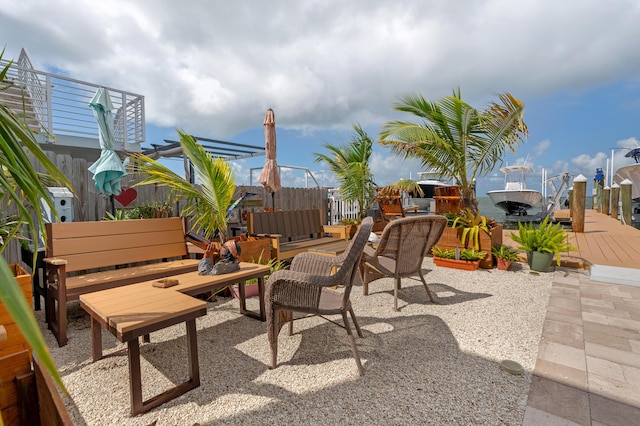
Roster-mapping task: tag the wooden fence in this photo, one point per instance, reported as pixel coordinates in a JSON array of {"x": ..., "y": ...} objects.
[{"x": 90, "y": 205}]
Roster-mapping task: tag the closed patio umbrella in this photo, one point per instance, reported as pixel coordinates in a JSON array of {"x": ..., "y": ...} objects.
[
  {"x": 108, "y": 170},
  {"x": 270, "y": 175}
]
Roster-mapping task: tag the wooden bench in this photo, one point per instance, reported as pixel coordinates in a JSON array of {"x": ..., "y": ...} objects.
[
  {"x": 83, "y": 247},
  {"x": 291, "y": 232}
]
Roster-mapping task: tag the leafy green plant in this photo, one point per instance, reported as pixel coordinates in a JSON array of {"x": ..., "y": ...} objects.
[
  {"x": 350, "y": 164},
  {"x": 207, "y": 202},
  {"x": 505, "y": 252},
  {"x": 472, "y": 224},
  {"x": 119, "y": 215},
  {"x": 547, "y": 238},
  {"x": 350, "y": 221},
  {"x": 21, "y": 184},
  {"x": 453, "y": 138},
  {"x": 465, "y": 254}
]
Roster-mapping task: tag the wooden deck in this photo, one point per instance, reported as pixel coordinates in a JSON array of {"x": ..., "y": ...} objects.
[{"x": 605, "y": 247}]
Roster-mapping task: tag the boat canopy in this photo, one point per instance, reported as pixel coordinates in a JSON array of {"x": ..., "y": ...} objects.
[{"x": 516, "y": 169}]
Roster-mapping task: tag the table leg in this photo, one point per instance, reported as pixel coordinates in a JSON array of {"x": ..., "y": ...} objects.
[
  {"x": 135, "y": 379},
  {"x": 262, "y": 316},
  {"x": 192, "y": 342},
  {"x": 263, "y": 313},
  {"x": 96, "y": 339},
  {"x": 243, "y": 298}
]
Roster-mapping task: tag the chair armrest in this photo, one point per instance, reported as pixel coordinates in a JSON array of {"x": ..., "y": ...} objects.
[
  {"x": 290, "y": 288},
  {"x": 311, "y": 263}
]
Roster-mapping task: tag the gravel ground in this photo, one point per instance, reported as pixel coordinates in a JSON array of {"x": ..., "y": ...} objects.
[{"x": 426, "y": 364}]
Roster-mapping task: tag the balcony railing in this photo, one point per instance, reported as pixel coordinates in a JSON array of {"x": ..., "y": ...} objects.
[{"x": 59, "y": 105}]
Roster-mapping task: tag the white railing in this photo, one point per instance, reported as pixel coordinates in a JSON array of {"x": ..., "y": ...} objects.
[
  {"x": 60, "y": 104},
  {"x": 340, "y": 209}
]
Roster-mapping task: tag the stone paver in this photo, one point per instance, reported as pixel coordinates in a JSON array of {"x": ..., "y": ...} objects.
[{"x": 588, "y": 367}]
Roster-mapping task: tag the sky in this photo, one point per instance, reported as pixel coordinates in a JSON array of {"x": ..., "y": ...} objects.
[{"x": 213, "y": 68}]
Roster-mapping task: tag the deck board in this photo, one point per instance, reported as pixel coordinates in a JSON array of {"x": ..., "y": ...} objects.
[{"x": 605, "y": 241}]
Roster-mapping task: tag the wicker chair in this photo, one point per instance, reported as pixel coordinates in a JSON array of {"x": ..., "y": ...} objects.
[
  {"x": 305, "y": 288},
  {"x": 402, "y": 247}
]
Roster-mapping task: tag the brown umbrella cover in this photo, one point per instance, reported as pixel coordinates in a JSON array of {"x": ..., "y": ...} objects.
[{"x": 270, "y": 176}]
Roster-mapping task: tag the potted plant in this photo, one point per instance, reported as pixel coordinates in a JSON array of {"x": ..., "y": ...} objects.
[
  {"x": 505, "y": 255},
  {"x": 542, "y": 243},
  {"x": 467, "y": 259},
  {"x": 469, "y": 230}
]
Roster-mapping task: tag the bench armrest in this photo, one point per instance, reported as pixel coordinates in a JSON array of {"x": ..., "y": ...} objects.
[
  {"x": 54, "y": 261},
  {"x": 267, "y": 235}
]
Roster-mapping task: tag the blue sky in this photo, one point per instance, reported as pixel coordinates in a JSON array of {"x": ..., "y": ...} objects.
[{"x": 214, "y": 68}]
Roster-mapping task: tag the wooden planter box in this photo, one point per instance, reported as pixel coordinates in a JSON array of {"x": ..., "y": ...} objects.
[
  {"x": 465, "y": 265},
  {"x": 15, "y": 341},
  {"x": 252, "y": 251},
  {"x": 450, "y": 239}
]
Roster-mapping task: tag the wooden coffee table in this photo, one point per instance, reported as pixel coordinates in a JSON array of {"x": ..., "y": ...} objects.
[{"x": 136, "y": 310}]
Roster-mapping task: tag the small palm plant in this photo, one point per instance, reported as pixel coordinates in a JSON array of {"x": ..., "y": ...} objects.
[
  {"x": 207, "y": 203},
  {"x": 22, "y": 185}
]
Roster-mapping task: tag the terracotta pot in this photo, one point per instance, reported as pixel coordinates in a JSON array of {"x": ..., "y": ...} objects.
[
  {"x": 503, "y": 264},
  {"x": 466, "y": 265}
]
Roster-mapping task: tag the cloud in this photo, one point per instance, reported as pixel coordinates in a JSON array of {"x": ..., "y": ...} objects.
[{"x": 213, "y": 66}]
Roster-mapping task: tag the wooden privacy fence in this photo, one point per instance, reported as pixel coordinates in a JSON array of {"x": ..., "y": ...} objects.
[{"x": 90, "y": 205}]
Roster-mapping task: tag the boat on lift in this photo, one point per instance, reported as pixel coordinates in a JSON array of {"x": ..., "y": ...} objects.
[
  {"x": 632, "y": 173},
  {"x": 515, "y": 199}
]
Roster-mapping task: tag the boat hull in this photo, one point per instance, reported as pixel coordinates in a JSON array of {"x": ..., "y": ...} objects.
[{"x": 515, "y": 202}]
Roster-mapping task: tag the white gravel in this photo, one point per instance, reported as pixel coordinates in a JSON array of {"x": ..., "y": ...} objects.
[{"x": 426, "y": 364}]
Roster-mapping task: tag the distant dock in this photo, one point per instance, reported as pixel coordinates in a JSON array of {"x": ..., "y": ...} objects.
[{"x": 607, "y": 248}]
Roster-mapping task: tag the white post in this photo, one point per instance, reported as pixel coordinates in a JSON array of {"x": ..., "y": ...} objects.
[{"x": 612, "y": 169}]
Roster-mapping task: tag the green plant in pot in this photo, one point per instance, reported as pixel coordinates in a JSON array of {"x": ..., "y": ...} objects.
[
  {"x": 505, "y": 255},
  {"x": 471, "y": 225},
  {"x": 542, "y": 243},
  {"x": 467, "y": 258}
]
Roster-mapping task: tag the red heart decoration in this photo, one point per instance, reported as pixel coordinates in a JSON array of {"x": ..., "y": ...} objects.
[{"x": 126, "y": 196}]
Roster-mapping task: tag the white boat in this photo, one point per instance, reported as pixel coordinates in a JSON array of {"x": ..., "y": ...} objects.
[
  {"x": 428, "y": 181},
  {"x": 515, "y": 198},
  {"x": 631, "y": 172}
]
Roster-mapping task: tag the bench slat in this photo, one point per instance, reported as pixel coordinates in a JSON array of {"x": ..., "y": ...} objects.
[
  {"x": 84, "y": 261},
  {"x": 63, "y": 247},
  {"x": 97, "y": 281}
]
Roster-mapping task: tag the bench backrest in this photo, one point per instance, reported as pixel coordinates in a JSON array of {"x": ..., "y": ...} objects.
[
  {"x": 290, "y": 224},
  {"x": 89, "y": 245}
]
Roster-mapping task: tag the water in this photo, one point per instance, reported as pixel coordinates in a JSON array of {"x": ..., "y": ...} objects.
[{"x": 487, "y": 208}]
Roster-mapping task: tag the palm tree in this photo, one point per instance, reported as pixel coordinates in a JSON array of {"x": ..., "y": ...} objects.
[
  {"x": 350, "y": 164},
  {"x": 455, "y": 139},
  {"x": 21, "y": 185},
  {"x": 206, "y": 203}
]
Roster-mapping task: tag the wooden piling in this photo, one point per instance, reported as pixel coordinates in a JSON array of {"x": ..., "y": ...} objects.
[
  {"x": 578, "y": 204},
  {"x": 615, "y": 198},
  {"x": 606, "y": 195},
  {"x": 625, "y": 197}
]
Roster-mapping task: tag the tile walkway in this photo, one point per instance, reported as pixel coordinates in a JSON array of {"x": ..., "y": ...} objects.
[{"x": 588, "y": 366}]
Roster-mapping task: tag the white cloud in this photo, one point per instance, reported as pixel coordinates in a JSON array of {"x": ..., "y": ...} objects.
[{"x": 214, "y": 66}]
